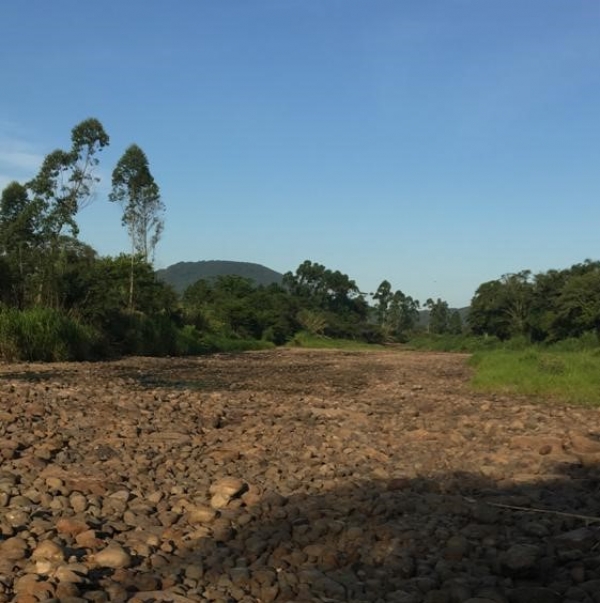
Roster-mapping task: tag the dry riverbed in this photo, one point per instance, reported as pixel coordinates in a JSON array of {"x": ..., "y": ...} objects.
[{"x": 291, "y": 475}]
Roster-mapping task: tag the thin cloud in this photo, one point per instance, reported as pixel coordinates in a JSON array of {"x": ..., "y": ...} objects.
[{"x": 19, "y": 158}]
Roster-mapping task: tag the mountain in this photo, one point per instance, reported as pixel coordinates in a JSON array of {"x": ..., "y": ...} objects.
[{"x": 183, "y": 274}]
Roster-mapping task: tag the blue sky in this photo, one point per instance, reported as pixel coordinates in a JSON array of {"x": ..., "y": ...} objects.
[{"x": 437, "y": 144}]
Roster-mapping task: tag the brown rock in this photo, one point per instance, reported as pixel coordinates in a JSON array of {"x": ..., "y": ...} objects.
[
  {"x": 71, "y": 526},
  {"x": 228, "y": 487},
  {"x": 89, "y": 539},
  {"x": 14, "y": 548},
  {"x": 520, "y": 559},
  {"x": 113, "y": 556},
  {"x": 49, "y": 551},
  {"x": 581, "y": 442}
]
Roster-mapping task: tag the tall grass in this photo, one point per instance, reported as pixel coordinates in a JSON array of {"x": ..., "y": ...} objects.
[
  {"x": 46, "y": 335},
  {"x": 543, "y": 373}
]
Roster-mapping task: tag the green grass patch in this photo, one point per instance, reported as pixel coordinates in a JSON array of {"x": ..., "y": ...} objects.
[
  {"x": 544, "y": 373},
  {"x": 220, "y": 343},
  {"x": 452, "y": 343},
  {"x": 320, "y": 342}
]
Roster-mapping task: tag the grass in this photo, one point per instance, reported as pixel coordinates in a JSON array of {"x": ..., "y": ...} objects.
[
  {"x": 452, "y": 343},
  {"x": 542, "y": 373},
  {"x": 320, "y": 342},
  {"x": 46, "y": 335}
]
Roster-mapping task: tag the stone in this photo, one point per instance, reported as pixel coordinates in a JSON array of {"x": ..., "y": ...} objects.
[
  {"x": 520, "y": 559},
  {"x": 228, "y": 487},
  {"x": 200, "y": 514},
  {"x": 49, "y": 551},
  {"x": 13, "y": 549},
  {"x": 113, "y": 556},
  {"x": 534, "y": 594},
  {"x": 456, "y": 548}
]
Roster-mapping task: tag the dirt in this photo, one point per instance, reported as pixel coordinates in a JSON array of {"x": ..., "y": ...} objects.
[{"x": 292, "y": 475}]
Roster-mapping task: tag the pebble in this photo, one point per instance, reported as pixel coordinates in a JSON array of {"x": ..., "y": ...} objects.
[
  {"x": 335, "y": 481},
  {"x": 113, "y": 556}
]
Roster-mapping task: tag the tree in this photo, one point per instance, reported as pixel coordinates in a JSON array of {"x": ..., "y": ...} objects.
[
  {"x": 234, "y": 306},
  {"x": 64, "y": 185},
  {"x": 439, "y": 316},
  {"x": 19, "y": 239},
  {"x": 65, "y": 182},
  {"x": 487, "y": 315},
  {"x": 455, "y": 323},
  {"x": 503, "y": 307},
  {"x": 383, "y": 296},
  {"x": 577, "y": 308},
  {"x": 404, "y": 314},
  {"x": 396, "y": 312},
  {"x": 134, "y": 188},
  {"x": 343, "y": 307}
]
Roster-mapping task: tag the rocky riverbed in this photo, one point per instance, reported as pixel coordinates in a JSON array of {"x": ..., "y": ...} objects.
[{"x": 292, "y": 475}]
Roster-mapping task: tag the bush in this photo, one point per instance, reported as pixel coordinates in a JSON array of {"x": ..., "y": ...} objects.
[{"x": 42, "y": 334}]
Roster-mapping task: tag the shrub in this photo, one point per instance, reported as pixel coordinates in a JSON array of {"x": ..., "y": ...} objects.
[{"x": 43, "y": 334}]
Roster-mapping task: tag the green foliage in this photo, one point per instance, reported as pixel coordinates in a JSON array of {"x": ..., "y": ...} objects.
[
  {"x": 43, "y": 334},
  {"x": 455, "y": 324},
  {"x": 448, "y": 342},
  {"x": 218, "y": 343},
  {"x": 312, "y": 321},
  {"x": 396, "y": 313},
  {"x": 135, "y": 189},
  {"x": 65, "y": 182},
  {"x": 304, "y": 339},
  {"x": 544, "y": 374},
  {"x": 548, "y": 307},
  {"x": 439, "y": 316},
  {"x": 332, "y": 293},
  {"x": 502, "y": 307},
  {"x": 235, "y": 307}
]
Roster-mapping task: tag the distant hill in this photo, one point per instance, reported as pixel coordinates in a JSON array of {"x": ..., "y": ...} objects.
[{"x": 183, "y": 274}]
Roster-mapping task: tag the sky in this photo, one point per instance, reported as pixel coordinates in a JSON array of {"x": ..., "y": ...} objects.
[{"x": 438, "y": 144}]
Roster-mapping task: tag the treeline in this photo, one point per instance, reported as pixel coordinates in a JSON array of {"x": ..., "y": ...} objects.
[
  {"x": 60, "y": 301},
  {"x": 548, "y": 307}
]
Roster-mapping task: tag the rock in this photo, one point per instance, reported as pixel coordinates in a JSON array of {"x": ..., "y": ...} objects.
[
  {"x": 456, "y": 548},
  {"x": 113, "y": 556},
  {"x": 71, "y": 526},
  {"x": 89, "y": 539},
  {"x": 229, "y": 487},
  {"x": 520, "y": 560},
  {"x": 316, "y": 476},
  {"x": 13, "y": 549},
  {"x": 200, "y": 514},
  {"x": 581, "y": 442},
  {"x": 534, "y": 594},
  {"x": 49, "y": 551},
  {"x": 580, "y": 539},
  {"x": 64, "y": 573},
  {"x": 16, "y": 518}
]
